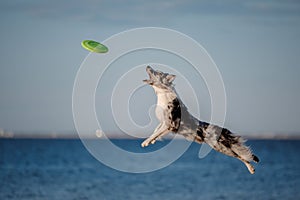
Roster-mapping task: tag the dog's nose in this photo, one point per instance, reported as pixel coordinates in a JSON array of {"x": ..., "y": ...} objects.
[{"x": 148, "y": 68}]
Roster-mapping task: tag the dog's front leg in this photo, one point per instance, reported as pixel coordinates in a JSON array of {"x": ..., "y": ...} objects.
[{"x": 160, "y": 131}]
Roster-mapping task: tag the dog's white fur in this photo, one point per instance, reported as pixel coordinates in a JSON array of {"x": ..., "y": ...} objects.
[{"x": 174, "y": 117}]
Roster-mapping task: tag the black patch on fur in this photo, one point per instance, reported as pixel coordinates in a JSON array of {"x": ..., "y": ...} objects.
[
  {"x": 202, "y": 126},
  {"x": 175, "y": 115},
  {"x": 200, "y": 133},
  {"x": 227, "y": 139}
]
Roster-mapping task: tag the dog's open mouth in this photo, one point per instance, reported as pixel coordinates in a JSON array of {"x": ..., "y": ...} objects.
[
  {"x": 150, "y": 72},
  {"x": 148, "y": 82}
]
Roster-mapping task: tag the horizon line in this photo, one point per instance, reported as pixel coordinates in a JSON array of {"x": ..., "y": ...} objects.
[{"x": 127, "y": 137}]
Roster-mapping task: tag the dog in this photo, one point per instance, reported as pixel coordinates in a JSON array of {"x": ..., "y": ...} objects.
[{"x": 174, "y": 117}]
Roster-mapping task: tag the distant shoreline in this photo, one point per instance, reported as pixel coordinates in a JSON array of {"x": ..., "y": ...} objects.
[
  {"x": 98, "y": 134},
  {"x": 68, "y": 137}
]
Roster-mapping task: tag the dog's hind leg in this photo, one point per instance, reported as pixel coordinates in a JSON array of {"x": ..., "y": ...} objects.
[
  {"x": 160, "y": 131},
  {"x": 250, "y": 168}
]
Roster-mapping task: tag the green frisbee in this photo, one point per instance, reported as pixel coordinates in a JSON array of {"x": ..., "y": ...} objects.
[{"x": 94, "y": 46}]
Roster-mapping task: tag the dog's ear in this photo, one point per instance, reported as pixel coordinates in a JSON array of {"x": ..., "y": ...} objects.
[{"x": 170, "y": 78}]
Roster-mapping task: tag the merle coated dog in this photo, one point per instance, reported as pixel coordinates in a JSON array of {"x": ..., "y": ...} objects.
[{"x": 174, "y": 117}]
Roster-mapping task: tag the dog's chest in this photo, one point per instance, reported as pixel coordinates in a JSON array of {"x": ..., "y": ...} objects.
[
  {"x": 163, "y": 100},
  {"x": 168, "y": 110}
]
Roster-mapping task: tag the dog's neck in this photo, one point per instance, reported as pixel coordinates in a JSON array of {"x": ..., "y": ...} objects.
[
  {"x": 165, "y": 95},
  {"x": 164, "y": 89}
]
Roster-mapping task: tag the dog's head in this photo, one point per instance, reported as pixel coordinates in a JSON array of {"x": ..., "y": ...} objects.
[{"x": 158, "y": 79}]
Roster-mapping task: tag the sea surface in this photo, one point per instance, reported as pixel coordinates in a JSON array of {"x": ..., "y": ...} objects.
[{"x": 63, "y": 169}]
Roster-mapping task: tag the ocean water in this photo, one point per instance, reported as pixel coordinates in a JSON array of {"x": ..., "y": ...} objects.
[{"x": 64, "y": 169}]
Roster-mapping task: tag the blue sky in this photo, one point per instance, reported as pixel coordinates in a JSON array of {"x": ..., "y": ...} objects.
[{"x": 255, "y": 44}]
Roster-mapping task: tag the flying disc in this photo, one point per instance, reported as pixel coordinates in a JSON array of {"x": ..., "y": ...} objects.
[{"x": 94, "y": 46}]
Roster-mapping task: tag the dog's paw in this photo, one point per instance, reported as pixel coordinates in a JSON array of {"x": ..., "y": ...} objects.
[
  {"x": 250, "y": 168},
  {"x": 147, "y": 142}
]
